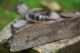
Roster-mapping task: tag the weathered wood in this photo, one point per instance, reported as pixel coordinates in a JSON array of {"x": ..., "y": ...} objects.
[{"x": 43, "y": 33}]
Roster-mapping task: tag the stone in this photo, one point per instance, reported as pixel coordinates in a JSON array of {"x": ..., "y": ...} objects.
[
  {"x": 54, "y": 6},
  {"x": 20, "y": 23},
  {"x": 22, "y": 9},
  {"x": 54, "y": 15}
]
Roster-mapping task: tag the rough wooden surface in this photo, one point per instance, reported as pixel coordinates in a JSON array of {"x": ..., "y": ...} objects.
[
  {"x": 40, "y": 34},
  {"x": 72, "y": 24}
]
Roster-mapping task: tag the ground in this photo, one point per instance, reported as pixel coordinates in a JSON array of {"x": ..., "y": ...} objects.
[{"x": 7, "y": 8}]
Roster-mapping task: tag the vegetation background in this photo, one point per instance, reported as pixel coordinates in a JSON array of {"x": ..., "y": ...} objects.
[{"x": 8, "y": 13}]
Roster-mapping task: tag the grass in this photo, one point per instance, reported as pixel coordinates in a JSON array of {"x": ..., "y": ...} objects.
[
  {"x": 7, "y": 12},
  {"x": 70, "y": 5},
  {"x": 6, "y": 17}
]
